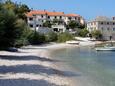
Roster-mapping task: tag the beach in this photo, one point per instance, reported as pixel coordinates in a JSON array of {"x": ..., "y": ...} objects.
[{"x": 33, "y": 66}]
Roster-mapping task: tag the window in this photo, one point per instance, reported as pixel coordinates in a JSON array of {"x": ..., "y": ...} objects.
[
  {"x": 31, "y": 19},
  {"x": 113, "y": 29},
  {"x": 69, "y": 18},
  {"x": 107, "y": 23},
  {"x": 101, "y": 23},
  {"x": 75, "y": 18},
  {"x": 40, "y": 25},
  {"x": 42, "y": 16},
  {"x": 113, "y": 18},
  {"x": 79, "y": 18},
  {"x": 107, "y": 28},
  {"x": 48, "y": 17},
  {"x": 37, "y": 25},
  {"x": 31, "y": 25},
  {"x": 60, "y": 17},
  {"x": 113, "y": 23},
  {"x": 55, "y": 17}
]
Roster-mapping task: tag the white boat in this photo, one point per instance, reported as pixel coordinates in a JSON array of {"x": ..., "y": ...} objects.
[
  {"x": 72, "y": 42},
  {"x": 106, "y": 48}
]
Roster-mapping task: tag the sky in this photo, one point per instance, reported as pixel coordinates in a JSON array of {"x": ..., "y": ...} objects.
[{"x": 89, "y": 9}]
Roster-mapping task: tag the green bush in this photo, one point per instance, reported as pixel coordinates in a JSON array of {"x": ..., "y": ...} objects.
[
  {"x": 96, "y": 34},
  {"x": 51, "y": 37},
  {"x": 82, "y": 32},
  {"x": 47, "y": 24},
  {"x": 23, "y": 39},
  {"x": 63, "y": 37},
  {"x": 36, "y": 38},
  {"x": 10, "y": 28}
]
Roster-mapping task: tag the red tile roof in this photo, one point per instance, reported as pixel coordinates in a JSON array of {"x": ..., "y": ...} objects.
[
  {"x": 41, "y": 12},
  {"x": 72, "y": 15},
  {"x": 34, "y": 12},
  {"x": 55, "y": 13}
]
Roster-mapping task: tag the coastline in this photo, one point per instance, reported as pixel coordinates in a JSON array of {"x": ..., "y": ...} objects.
[{"x": 36, "y": 55}]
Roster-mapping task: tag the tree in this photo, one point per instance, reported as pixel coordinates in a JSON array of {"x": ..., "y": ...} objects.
[
  {"x": 47, "y": 24},
  {"x": 81, "y": 26},
  {"x": 10, "y": 31},
  {"x": 57, "y": 21},
  {"x": 25, "y": 32},
  {"x": 19, "y": 9},
  {"x": 22, "y": 10},
  {"x": 96, "y": 34},
  {"x": 9, "y": 5},
  {"x": 72, "y": 24},
  {"x": 82, "y": 32},
  {"x": 13, "y": 29}
]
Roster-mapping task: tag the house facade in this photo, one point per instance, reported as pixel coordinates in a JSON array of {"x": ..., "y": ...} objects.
[
  {"x": 36, "y": 19},
  {"x": 105, "y": 25}
]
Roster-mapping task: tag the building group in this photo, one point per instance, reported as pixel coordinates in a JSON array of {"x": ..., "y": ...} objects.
[{"x": 36, "y": 19}]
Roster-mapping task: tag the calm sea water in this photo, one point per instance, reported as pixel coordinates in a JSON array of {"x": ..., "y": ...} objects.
[{"x": 93, "y": 68}]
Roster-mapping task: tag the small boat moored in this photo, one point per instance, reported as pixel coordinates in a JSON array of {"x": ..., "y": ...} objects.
[{"x": 106, "y": 48}]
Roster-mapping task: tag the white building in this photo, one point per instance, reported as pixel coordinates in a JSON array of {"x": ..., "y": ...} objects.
[
  {"x": 105, "y": 25},
  {"x": 36, "y": 19}
]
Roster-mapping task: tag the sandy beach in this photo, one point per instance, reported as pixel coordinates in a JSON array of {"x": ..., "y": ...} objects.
[{"x": 33, "y": 66}]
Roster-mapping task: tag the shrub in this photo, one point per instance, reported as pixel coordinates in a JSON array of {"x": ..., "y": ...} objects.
[
  {"x": 25, "y": 32},
  {"x": 36, "y": 38},
  {"x": 51, "y": 37},
  {"x": 63, "y": 37},
  {"x": 96, "y": 34},
  {"x": 47, "y": 24},
  {"x": 10, "y": 29},
  {"x": 82, "y": 32}
]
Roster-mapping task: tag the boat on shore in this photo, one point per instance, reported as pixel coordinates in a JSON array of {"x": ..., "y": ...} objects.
[{"x": 72, "y": 42}]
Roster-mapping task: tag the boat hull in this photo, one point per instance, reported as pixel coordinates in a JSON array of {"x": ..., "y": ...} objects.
[
  {"x": 105, "y": 49},
  {"x": 72, "y": 42}
]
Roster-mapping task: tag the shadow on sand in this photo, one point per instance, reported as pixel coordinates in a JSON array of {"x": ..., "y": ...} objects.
[
  {"x": 24, "y": 82},
  {"x": 11, "y": 57},
  {"x": 36, "y": 69}
]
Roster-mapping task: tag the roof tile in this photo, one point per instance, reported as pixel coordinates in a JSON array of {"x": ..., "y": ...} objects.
[{"x": 41, "y": 12}]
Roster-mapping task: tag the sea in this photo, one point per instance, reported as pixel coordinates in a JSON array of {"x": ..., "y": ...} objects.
[{"x": 87, "y": 66}]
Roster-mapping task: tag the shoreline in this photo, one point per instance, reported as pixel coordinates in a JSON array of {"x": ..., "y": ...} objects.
[{"x": 36, "y": 55}]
